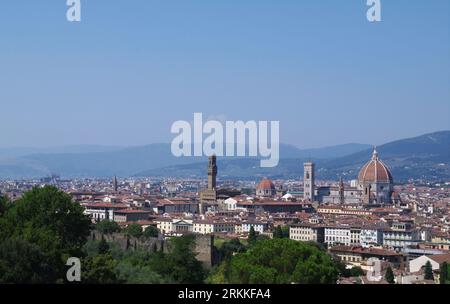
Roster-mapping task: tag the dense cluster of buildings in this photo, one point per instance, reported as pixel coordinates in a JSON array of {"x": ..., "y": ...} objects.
[{"x": 403, "y": 226}]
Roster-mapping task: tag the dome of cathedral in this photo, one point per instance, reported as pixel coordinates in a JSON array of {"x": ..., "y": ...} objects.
[
  {"x": 266, "y": 184},
  {"x": 375, "y": 171}
]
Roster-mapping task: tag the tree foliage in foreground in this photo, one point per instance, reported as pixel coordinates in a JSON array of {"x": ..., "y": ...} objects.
[
  {"x": 44, "y": 224},
  {"x": 109, "y": 264},
  {"x": 4, "y": 204},
  {"x": 99, "y": 269},
  {"x": 180, "y": 265},
  {"x": 22, "y": 262},
  {"x": 277, "y": 261}
]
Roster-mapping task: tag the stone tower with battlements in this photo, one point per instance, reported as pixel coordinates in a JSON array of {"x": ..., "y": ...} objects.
[{"x": 209, "y": 195}]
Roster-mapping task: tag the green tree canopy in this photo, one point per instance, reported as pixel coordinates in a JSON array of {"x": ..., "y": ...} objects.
[
  {"x": 347, "y": 273},
  {"x": 47, "y": 218},
  {"x": 280, "y": 261},
  {"x": 99, "y": 269},
  {"x": 48, "y": 213},
  {"x": 23, "y": 263},
  {"x": 107, "y": 227},
  {"x": 356, "y": 271},
  {"x": 151, "y": 231},
  {"x": 134, "y": 230},
  {"x": 137, "y": 274},
  {"x": 228, "y": 248},
  {"x": 133, "y": 267},
  {"x": 180, "y": 264}
]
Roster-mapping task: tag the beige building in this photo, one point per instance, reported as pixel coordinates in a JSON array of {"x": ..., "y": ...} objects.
[
  {"x": 359, "y": 256},
  {"x": 238, "y": 228},
  {"x": 130, "y": 215},
  {"x": 174, "y": 226},
  {"x": 307, "y": 232}
]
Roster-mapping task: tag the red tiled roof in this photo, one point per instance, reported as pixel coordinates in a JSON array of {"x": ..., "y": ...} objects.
[
  {"x": 440, "y": 258},
  {"x": 374, "y": 251},
  {"x": 107, "y": 205},
  {"x": 132, "y": 211}
]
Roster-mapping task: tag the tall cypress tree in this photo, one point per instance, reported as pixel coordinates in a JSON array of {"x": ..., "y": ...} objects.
[
  {"x": 389, "y": 276},
  {"x": 278, "y": 233},
  {"x": 428, "y": 271},
  {"x": 443, "y": 277},
  {"x": 252, "y": 235},
  {"x": 103, "y": 246}
]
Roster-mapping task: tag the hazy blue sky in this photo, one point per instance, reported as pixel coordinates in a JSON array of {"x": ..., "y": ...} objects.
[{"x": 132, "y": 67}]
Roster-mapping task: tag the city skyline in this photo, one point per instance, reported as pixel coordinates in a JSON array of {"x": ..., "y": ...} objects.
[{"x": 206, "y": 148}]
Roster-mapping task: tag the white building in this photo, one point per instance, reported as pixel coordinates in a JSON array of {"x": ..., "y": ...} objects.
[
  {"x": 102, "y": 211},
  {"x": 211, "y": 226},
  {"x": 338, "y": 235},
  {"x": 258, "y": 226},
  {"x": 401, "y": 235},
  {"x": 435, "y": 260},
  {"x": 371, "y": 237},
  {"x": 230, "y": 204}
]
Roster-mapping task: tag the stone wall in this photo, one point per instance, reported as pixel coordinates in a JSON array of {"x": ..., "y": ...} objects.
[{"x": 204, "y": 245}]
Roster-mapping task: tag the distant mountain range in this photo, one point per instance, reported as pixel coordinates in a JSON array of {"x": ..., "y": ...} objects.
[
  {"x": 423, "y": 157},
  {"x": 105, "y": 161},
  {"x": 23, "y": 151},
  {"x": 426, "y": 156}
]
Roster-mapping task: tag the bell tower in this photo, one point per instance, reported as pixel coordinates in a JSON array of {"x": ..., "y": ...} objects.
[
  {"x": 114, "y": 182},
  {"x": 308, "y": 181},
  {"x": 341, "y": 191}
]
